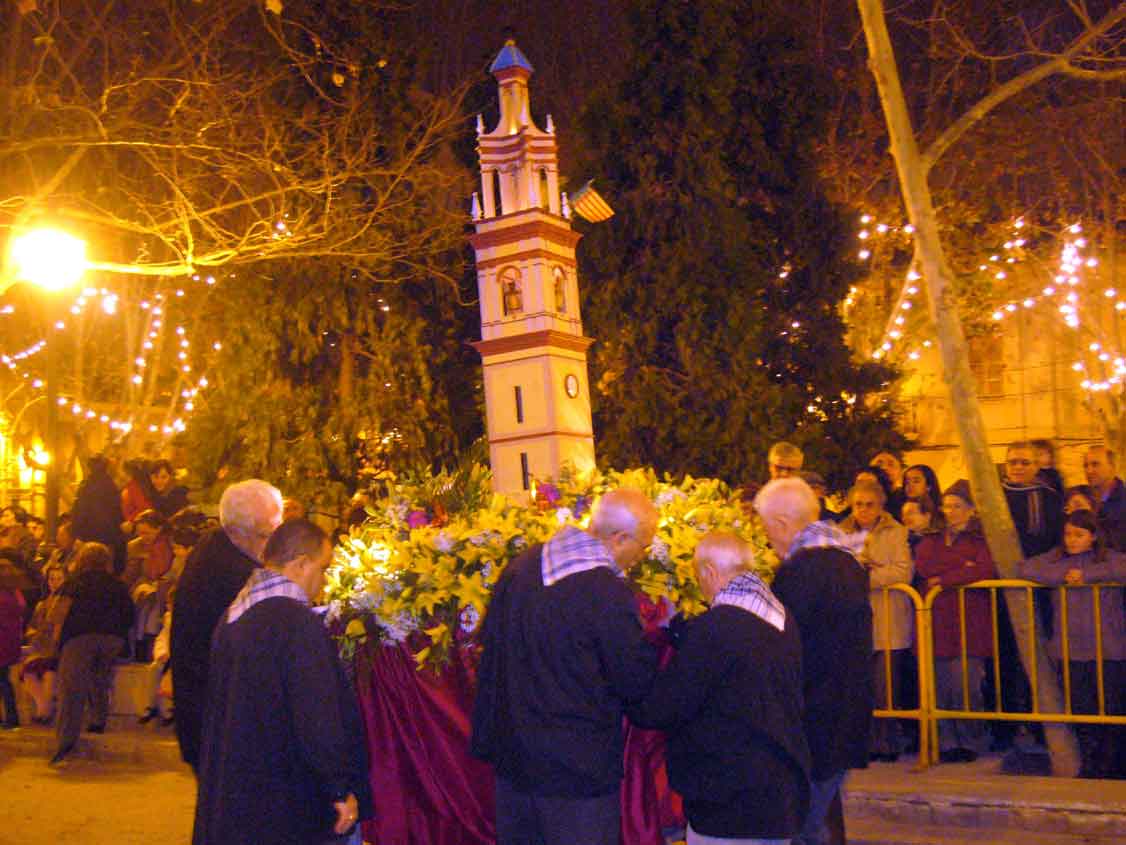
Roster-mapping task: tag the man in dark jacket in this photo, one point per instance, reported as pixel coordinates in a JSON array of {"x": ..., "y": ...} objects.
[
  {"x": 563, "y": 656},
  {"x": 213, "y": 575},
  {"x": 1037, "y": 509},
  {"x": 826, "y": 590},
  {"x": 1102, "y": 475},
  {"x": 731, "y": 704},
  {"x": 95, "y": 612},
  {"x": 283, "y": 757},
  {"x": 96, "y": 515}
]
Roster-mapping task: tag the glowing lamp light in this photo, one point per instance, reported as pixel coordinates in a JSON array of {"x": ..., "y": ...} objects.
[{"x": 49, "y": 258}]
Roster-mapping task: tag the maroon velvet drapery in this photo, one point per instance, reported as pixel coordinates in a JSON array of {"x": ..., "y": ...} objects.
[{"x": 429, "y": 791}]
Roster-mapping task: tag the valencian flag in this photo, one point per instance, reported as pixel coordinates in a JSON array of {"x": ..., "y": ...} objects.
[{"x": 589, "y": 205}]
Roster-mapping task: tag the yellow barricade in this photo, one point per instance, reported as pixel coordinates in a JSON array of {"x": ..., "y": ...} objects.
[
  {"x": 929, "y": 713},
  {"x": 921, "y": 712}
]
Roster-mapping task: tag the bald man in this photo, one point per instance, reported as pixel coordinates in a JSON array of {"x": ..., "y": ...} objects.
[
  {"x": 563, "y": 657},
  {"x": 731, "y": 704},
  {"x": 826, "y": 590}
]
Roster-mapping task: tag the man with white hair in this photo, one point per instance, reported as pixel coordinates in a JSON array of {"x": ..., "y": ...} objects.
[
  {"x": 216, "y": 570},
  {"x": 563, "y": 657},
  {"x": 730, "y": 702},
  {"x": 826, "y": 590}
]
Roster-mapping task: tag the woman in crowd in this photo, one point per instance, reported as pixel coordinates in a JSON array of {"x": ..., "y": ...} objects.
[
  {"x": 137, "y": 495},
  {"x": 1083, "y": 559},
  {"x": 920, "y": 480},
  {"x": 958, "y": 555},
  {"x": 41, "y": 664},
  {"x": 96, "y": 614},
  {"x": 886, "y": 556}
]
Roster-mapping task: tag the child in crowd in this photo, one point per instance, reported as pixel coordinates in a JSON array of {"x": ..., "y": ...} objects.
[
  {"x": 1083, "y": 559},
  {"x": 40, "y": 666}
]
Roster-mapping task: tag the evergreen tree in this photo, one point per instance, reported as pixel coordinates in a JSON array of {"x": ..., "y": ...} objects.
[{"x": 713, "y": 293}]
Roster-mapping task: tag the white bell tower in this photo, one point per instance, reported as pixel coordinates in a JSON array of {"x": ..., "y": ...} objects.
[{"x": 537, "y": 393}]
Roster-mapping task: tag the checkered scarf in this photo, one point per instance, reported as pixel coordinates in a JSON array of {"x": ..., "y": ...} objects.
[
  {"x": 750, "y": 593},
  {"x": 571, "y": 551},
  {"x": 819, "y": 535},
  {"x": 261, "y": 585}
]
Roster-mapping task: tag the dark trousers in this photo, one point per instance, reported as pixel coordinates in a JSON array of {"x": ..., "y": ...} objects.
[
  {"x": 887, "y": 735},
  {"x": 1098, "y": 744},
  {"x": 85, "y": 671},
  {"x": 524, "y": 819},
  {"x": 8, "y": 696}
]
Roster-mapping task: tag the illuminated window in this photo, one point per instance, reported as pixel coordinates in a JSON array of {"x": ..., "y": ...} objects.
[{"x": 987, "y": 364}]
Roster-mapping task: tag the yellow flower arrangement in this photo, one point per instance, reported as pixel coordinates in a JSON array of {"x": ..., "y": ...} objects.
[{"x": 423, "y": 565}]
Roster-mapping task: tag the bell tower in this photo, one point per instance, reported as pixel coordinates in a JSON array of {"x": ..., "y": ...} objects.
[{"x": 532, "y": 347}]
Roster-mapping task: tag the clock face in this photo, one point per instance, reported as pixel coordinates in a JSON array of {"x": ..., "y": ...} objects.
[{"x": 571, "y": 385}]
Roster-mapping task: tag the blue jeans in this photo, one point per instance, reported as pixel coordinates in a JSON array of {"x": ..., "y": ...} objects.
[{"x": 821, "y": 795}]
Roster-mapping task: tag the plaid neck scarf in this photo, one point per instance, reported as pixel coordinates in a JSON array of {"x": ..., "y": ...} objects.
[
  {"x": 819, "y": 535},
  {"x": 261, "y": 585},
  {"x": 750, "y": 593},
  {"x": 571, "y": 551}
]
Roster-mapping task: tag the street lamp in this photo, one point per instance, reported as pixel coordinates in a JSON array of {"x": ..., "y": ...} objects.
[{"x": 54, "y": 261}]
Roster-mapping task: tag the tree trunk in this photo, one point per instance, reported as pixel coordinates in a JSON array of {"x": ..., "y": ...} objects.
[{"x": 991, "y": 505}]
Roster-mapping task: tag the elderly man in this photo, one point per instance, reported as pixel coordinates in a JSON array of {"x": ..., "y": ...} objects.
[
  {"x": 1099, "y": 465},
  {"x": 826, "y": 590},
  {"x": 563, "y": 657},
  {"x": 283, "y": 757},
  {"x": 1037, "y": 509},
  {"x": 731, "y": 704},
  {"x": 213, "y": 574},
  {"x": 784, "y": 460}
]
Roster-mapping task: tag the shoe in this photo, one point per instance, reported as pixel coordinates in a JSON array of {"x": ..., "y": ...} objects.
[
  {"x": 9, "y": 726},
  {"x": 148, "y": 716},
  {"x": 96, "y": 729},
  {"x": 61, "y": 755},
  {"x": 957, "y": 755}
]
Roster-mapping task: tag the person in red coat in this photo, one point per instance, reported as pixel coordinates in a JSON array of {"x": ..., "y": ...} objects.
[
  {"x": 11, "y": 633},
  {"x": 957, "y": 556}
]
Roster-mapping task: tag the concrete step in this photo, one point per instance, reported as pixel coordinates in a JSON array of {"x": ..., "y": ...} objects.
[
  {"x": 976, "y": 803},
  {"x": 876, "y": 832}
]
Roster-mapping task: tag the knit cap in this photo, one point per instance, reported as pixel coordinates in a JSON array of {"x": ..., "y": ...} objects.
[{"x": 961, "y": 489}]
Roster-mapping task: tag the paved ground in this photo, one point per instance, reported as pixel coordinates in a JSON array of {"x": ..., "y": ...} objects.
[{"x": 93, "y": 802}]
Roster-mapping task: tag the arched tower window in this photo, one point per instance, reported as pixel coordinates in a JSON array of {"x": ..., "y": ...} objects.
[
  {"x": 560, "y": 279},
  {"x": 545, "y": 199},
  {"x": 511, "y": 296},
  {"x": 498, "y": 203}
]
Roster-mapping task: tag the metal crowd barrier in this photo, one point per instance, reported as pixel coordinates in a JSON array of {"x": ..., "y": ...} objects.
[
  {"x": 920, "y": 712},
  {"x": 928, "y": 712}
]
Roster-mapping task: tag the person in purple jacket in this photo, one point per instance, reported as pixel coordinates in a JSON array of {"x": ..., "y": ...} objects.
[{"x": 1082, "y": 559}]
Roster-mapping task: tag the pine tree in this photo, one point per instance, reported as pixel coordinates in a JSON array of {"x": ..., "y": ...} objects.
[{"x": 713, "y": 293}]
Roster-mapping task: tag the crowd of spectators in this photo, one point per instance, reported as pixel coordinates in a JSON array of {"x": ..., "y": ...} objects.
[{"x": 905, "y": 530}]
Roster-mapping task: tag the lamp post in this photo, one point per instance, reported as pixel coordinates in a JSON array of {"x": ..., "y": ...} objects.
[{"x": 54, "y": 261}]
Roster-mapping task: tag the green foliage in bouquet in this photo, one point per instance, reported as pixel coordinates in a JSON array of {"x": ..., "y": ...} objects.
[{"x": 423, "y": 565}]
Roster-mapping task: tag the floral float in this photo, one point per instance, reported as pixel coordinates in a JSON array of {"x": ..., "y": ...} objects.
[{"x": 422, "y": 567}]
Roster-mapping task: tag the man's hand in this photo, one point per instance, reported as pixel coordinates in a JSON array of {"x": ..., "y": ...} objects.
[
  {"x": 347, "y": 812},
  {"x": 1073, "y": 576},
  {"x": 933, "y": 582}
]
